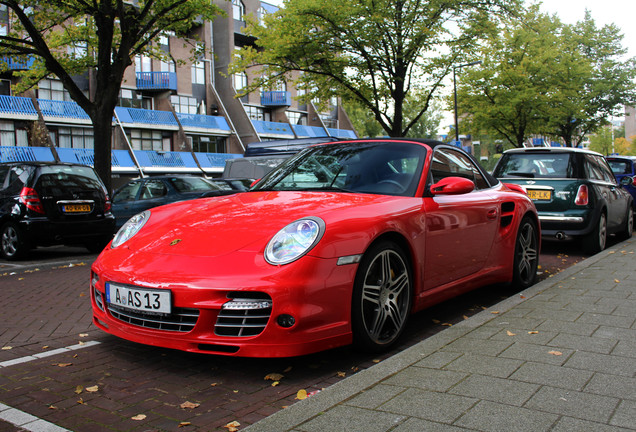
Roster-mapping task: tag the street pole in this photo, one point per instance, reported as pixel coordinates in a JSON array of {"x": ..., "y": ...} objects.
[{"x": 455, "y": 93}]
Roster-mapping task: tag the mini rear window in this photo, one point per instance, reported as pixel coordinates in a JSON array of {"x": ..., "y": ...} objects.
[{"x": 535, "y": 165}]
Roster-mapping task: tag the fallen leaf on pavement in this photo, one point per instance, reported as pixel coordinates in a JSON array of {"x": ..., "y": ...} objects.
[
  {"x": 183, "y": 424},
  {"x": 302, "y": 394},
  {"x": 92, "y": 389},
  {"x": 4, "y": 348},
  {"x": 556, "y": 353},
  {"x": 509, "y": 333},
  {"x": 79, "y": 389},
  {"x": 274, "y": 377},
  {"x": 139, "y": 417},
  {"x": 342, "y": 374},
  {"x": 533, "y": 332},
  {"x": 189, "y": 405},
  {"x": 232, "y": 426}
]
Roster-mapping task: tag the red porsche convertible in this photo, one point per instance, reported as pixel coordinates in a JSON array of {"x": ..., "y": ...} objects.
[{"x": 338, "y": 245}]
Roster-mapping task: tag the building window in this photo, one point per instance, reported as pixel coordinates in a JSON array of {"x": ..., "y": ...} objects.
[
  {"x": 184, "y": 104},
  {"x": 78, "y": 50},
  {"x": 132, "y": 99},
  {"x": 257, "y": 113},
  {"x": 168, "y": 66},
  {"x": 198, "y": 72},
  {"x": 52, "y": 90},
  {"x": 142, "y": 139},
  {"x": 261, "y": 15},
  {"x": 238, "y": 10},
  {"x": 240, "y": 81},
  {"x": 12, "y": 136},
  {"x": 207, "y": 144},
  {"x": 4, "y": 20},
  {"x": 143, "y": 63},
  {"x": 77, "y": 138},
  {"x": 5, "y": 87},
  {"x": 297, "y": 118}
]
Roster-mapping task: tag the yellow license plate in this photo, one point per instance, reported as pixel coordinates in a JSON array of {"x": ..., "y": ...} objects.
[
  {"x": 540, "y": 195},
  {"x": 76, "y": 208}
]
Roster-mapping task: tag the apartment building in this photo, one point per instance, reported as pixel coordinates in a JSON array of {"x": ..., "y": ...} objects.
[{"x": 172, "y": 116}]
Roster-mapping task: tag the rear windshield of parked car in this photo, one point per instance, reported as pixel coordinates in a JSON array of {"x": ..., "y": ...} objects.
[{"x": 535, "y": 165}]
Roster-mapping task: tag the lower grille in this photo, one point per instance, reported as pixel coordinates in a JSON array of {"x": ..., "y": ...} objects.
[
  {"x": 180, "y": 320},
  {"x": 242, "y": 317}
]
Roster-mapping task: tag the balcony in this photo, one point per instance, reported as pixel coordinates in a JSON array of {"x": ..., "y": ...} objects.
[
  {"x": 276, "y": 98},
  {"x": 151, "y": 161},
  {"x": 157, "y": 81},
  {"x": 273, "y": 129},
  {"x": 17, "y": 107},
  {"x": 17, "y": 64},
  {"x": 62, "y": 109}
]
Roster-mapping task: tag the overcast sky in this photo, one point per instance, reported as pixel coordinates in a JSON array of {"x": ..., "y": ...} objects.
[{"x": 620, "y": 12}]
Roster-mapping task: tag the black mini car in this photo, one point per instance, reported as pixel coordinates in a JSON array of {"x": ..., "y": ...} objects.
[{"x": 44, "y": 204}]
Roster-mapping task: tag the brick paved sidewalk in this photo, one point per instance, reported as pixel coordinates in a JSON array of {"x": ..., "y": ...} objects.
[{"x": 560, "y": 356}]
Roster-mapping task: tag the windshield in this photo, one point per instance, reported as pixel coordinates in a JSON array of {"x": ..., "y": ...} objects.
[
  {"x": 535, "y": 165},
  {"x": 391, "y": 168}
]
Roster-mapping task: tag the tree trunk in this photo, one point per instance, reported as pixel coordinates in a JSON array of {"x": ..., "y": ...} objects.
[{"x": 103, "y": 135}]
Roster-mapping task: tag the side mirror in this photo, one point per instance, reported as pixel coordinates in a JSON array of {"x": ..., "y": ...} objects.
[
  {"x": 627, "y": 180},
  {"x": 452, "y": 186}
]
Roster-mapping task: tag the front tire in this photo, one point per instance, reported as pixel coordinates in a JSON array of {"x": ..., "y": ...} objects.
[
  {"x": 526, "y": 259},
  {"x": 596, "y": 240},
  {"x": 13, "y": 244},
  {"x": 382, "y": 297}
]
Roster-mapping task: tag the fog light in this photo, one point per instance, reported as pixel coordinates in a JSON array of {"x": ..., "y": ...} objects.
[{"x": 285, "y": 320}]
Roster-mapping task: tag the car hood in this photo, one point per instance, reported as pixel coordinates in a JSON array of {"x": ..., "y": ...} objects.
[{"x": 247, "y": 221}]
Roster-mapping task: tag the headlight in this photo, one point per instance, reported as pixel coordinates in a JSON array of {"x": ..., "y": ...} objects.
[
  {"x": 294, "y": 241},
  {"x": 130, "y": 228}
]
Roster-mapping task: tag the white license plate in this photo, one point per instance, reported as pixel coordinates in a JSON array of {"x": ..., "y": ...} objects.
[{"x": 139, "y": 299}]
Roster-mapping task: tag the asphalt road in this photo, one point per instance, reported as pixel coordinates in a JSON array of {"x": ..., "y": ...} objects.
[{"x": 133, "y": 380}]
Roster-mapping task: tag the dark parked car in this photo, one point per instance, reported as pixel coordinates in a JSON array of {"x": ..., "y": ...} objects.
[
  {"x": 145, "y": 193},
  {"x": 624, "y": 168},
  {"x": 574, "y": 190},
  {"x": 43, "y": 204}
]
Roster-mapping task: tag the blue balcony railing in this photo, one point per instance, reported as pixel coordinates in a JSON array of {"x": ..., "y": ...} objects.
[
  {"x": 276, "y": 98},
  {"x": 66, "y": 109},
  {"x": 121, "y": 160},
  {"x": 309, "y": 131},
  {"x": 203, "y": 121},
  {"x": 157, "y": 81},
  {"x": 342, "y": 133},
  {"x": 25, "y": 154},
  {"x": 16, "y": 63},
  {"x": 273, "y": 128},
  {"x": 138, "y": 115},
  {"x": 17, "y": 105}
]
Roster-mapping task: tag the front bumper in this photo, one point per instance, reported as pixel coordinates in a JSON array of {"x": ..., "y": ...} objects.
[{"x": 315, "y": 292}]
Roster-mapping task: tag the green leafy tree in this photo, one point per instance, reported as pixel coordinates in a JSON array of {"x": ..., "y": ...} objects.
[
  {"x": 373, "y": 52},
  {"x": 508, "y": 95},
  {"x": 363, "y": 121},
  {"x": 601, "y": 141},
  {"x": 68, "y": 37},
  {"x": 596, "y": 83}
]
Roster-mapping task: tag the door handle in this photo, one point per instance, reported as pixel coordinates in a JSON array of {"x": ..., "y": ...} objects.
[{"x": 492, "y": 214}]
